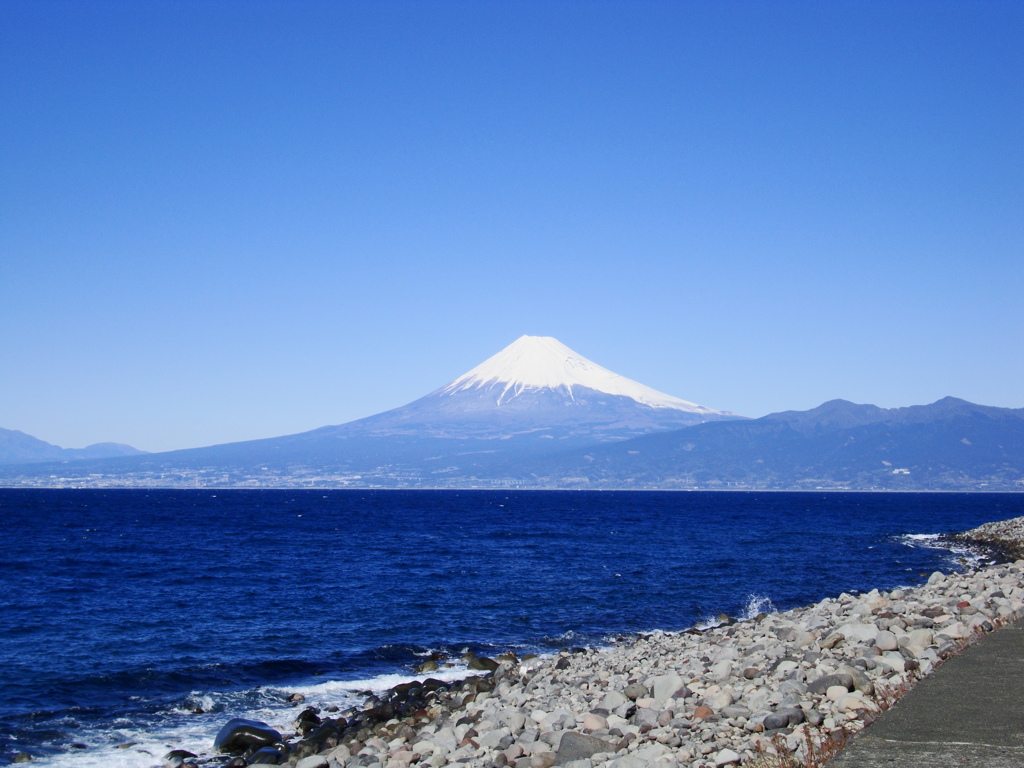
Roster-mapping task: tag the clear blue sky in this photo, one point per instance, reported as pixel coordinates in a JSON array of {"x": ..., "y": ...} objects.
[{"x": 229, "y": 220}]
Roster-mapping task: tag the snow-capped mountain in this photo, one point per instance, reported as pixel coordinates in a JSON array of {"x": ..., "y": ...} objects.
[
  {"x": 534, "y": 363},
  {"x": 534, "y": 398},
  {"x": 537, "y": 385}
]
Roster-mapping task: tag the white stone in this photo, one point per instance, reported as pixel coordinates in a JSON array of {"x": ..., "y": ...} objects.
[
  {"x": 666, "y": 685},
  {"x": 720, "y": 671},
  {"x": 804, "y": 639},
  {"x": 727, "y": 756},
  {"x": 860, "y": 632},
  {"x": 836, "y": 692},
  {"x": 719, "y": 700},
  {"x": 886, "y": 641},
  {"x": 785, "y": 667}
]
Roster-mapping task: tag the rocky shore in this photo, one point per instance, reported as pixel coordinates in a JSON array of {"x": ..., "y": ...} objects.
[
  {"x": 781, "y": 689},
  {"x": 1005, "y": 538}
]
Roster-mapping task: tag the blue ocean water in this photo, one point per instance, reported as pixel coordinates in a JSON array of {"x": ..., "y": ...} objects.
[{"x": 123, "y": 613}]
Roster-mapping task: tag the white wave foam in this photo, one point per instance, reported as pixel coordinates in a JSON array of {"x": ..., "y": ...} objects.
[
  {"x": 179, "y": 728},
  {"x": 756, "y": 604},
  {"x": 961, "y": 555},
  {"x": 344, "y": 693}
]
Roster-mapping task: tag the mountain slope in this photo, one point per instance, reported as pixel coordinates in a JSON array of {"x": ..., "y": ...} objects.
[
  {"x": 18, "y": 448},
  {"x": 950, "y": 444},
  {"x": 534, "y": 398}
]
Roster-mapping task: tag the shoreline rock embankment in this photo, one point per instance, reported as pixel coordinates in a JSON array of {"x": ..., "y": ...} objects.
[
  {"x": 1004, "y": 539},
  {"x": 781, "y": 689}
]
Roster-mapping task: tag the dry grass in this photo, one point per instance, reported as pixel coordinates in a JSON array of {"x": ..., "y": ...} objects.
[{"x": 819, "y": 748}]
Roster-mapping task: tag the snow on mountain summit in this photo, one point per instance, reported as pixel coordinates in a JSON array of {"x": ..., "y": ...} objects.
[{"x": 541, "y": 362}]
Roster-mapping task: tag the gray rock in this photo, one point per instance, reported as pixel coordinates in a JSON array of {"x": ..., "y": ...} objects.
[
  {"x": 825, "y": 682},
  {"x": 515, "y": 720},
  {"x": 783, "y": 718},
  {"x": 579, "y": 746},
  {"x": 886, "y": 641},
  {"x": 645, "y": 717},
  {"x": 861, "y": 682},
  {"x": 613, "y": 700},
  {"x": 636, "y": 691},
  {"x": 735, "y": 710},
  {"x": 665, "y": 686},
  {"x": 628, "y": 761}
]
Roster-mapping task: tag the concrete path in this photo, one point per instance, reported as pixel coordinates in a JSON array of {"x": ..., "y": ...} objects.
[{"x": 968, "y": 713}]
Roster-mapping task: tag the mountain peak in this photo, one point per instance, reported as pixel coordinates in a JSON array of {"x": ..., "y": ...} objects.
[{"x": 532, "y": 363}]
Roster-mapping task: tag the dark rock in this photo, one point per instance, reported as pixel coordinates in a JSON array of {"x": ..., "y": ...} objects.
[
  {"x": 239, "y": 734},
  {"x": 23, "y": 757},
  {"x": 265, "y": 756},
  {"x": 406, "y": 689},
  {"x": 308, "y": 715},
  {"x": 483, "y": 663},
  {"x": 297, "y": 698},
  {"x": 176, "y": 757},
  {"x": 579, "y": 746},
  {"x": 380, "y": 714},
  {"x": 324, "y": 732},
  {"x": 562, "y": 663}
]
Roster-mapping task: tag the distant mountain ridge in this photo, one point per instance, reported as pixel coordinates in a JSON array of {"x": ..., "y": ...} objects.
[
  {"x": 18, "y": 448},
  {"x": 538, "y": 415},
  {"x": 536, "y": 397},
  {"x": 950, "y": 444}
]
